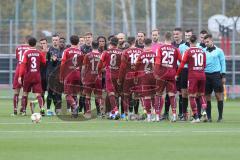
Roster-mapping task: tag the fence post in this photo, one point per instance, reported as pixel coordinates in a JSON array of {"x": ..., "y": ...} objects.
[{"x": 10, "y": 51}]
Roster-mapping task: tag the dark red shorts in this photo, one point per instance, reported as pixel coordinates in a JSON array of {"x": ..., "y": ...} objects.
[
  {"x": 95, "y": 87},
  {"x": 112, "y": 85},
  {"x": 169, "y": 85},
  {"x": 72, "y": 83},
  {"x": 196, "y": 86}
]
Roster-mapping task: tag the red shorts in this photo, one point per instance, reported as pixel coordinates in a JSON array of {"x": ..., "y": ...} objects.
[
  {"x": 16, "y": 85},
  {"x": 32, "y": 83},
  {"x": 72, "y": 83},
  {"x": 170, "y": 86},
  {"x": 146, "y": 86},
  {"x": 95, "y": 87},
  {"x": 196, "y": 86}
]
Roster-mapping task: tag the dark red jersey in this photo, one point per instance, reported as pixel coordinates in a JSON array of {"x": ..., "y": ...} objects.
[
  {"x": 30, "y": 65},
  {"x": 72, "y": 61},
  {"x": 128, "y": 61},
  {"x": 90, "y": 63},
  {"x": 166, "y": 62},
  {"x": 20, "y": 51},
  {"x": 196, "y": 60},
  {"x": 111, "y": 60},
  {"x": 145, "y": 63}
]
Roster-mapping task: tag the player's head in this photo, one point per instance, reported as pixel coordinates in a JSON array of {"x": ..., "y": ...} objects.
[
  {"x": 74, "y": 40},
  {"x": 32, "y": 42},
  {"x": 193, "y": 39},
  {"x": 55, "y": 40},
  {"x": 95, "y": 45},
  {"x": 188, "y": 34},
  {"x": 140, "y": 37},
  {"x": 168, "y": 37},
  {"x": 81, "y": 40},
  {"x": 208, "y": 40},
  {"x": 110, "y": 37},
  {"x": 147, "y": 42},
  {"x": 121, "y": 38},
  {"x": 43, "y": 42},
  {"x": 155, "y": 35},
  {"x": 62, "y": 42},
  {"x": 88, "y": 38},
  {"x": 114, "y": 42},
  {"x": 202, "y": 34},
  {"x": 177, "y": 34},
  {"x": 102, "y": 41},
  {"x": 131, "y": 41}
]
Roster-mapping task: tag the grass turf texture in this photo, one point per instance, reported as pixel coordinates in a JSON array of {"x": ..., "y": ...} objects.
[{"x": 104, "y": 139}]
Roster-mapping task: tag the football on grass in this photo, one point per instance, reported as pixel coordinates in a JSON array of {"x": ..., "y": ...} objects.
[{"x": 36, "y": 117}]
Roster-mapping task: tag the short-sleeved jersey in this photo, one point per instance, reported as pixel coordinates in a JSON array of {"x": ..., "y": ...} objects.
[
  {"x": 128, "y": 61},
  {"x": 166, "y": 62},
  {"x": 20, "y": 52},
  {"x": 196, "y": 60},
  {"x": 111, "y": 59},
  {"x": 72, "y": 60},
  {"x": 145, "y": 63},
  {"x": 90, "y": 63},
  {"x": 32, "y": 61}
]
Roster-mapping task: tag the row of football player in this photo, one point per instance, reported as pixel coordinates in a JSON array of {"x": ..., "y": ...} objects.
[{"x": 166, "y": 55}]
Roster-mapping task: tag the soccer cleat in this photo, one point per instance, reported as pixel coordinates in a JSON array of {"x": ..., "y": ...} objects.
[
  {"x": 49, "y": 113},
  {"x": 219, "y": 120},
  {"x": 123, "y": 116},
  {"x": 174, "y": 118},
  {"x": 195, "y": 120},
  {"x": 209, "y": 120},
  {"x": 75, "y": 112},
  {"x": 88, "y": 115},
  {"x": 42, "y": 112},
  {"x": 117, "y": 116},
  {"x": 15, "y": 112}
]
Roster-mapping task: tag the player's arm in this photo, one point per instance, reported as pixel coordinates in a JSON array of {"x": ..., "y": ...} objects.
[
  {"x": 179, "y": 56},
  {"x": 22, "y": 68},
  {"x": 137, "y": 66},
  {"x": 64, "y": 58},
  {"x": 101, "y": 63},
  {"x": 223, "y": 66},
  {"x": 183, "y": 62},
  {"x": 85, "y": 65}
]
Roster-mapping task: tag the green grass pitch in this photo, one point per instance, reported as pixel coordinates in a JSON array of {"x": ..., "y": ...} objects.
[{"x": 54, "y": 139}]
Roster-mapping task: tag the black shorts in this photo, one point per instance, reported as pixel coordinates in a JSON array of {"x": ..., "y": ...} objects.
[
  {"x": 184, "y": 78},
  {"x": 213, "y": 83}
]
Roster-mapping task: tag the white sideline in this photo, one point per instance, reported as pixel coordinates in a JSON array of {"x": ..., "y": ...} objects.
[{"x": 122, "y": 131}]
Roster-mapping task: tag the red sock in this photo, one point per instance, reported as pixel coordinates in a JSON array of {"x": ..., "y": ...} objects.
[
  {"x": 88, "y": 104},
  {"x": 203, "y": 102},
  {"x": 173, "y": 104},
  {"x": 40, "y": 101},
  {"x": 24, "y": 103},
  {"x": 147, "y": 104},
  {"x": 158, "y": 104},
  {"x": 113, "y": 102},
  {"x": 15, "y": 101},
  {"x": 71, "y": 101},
  {"x": 193, "y": 105},
  {"x": 126, "y": 103}
]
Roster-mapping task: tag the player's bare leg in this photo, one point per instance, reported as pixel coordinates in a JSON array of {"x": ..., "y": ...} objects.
[
  {"x": 88, "y": 113},
  {"x": 41, "y": 104},
  {"x": 126, "y": 102}
]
